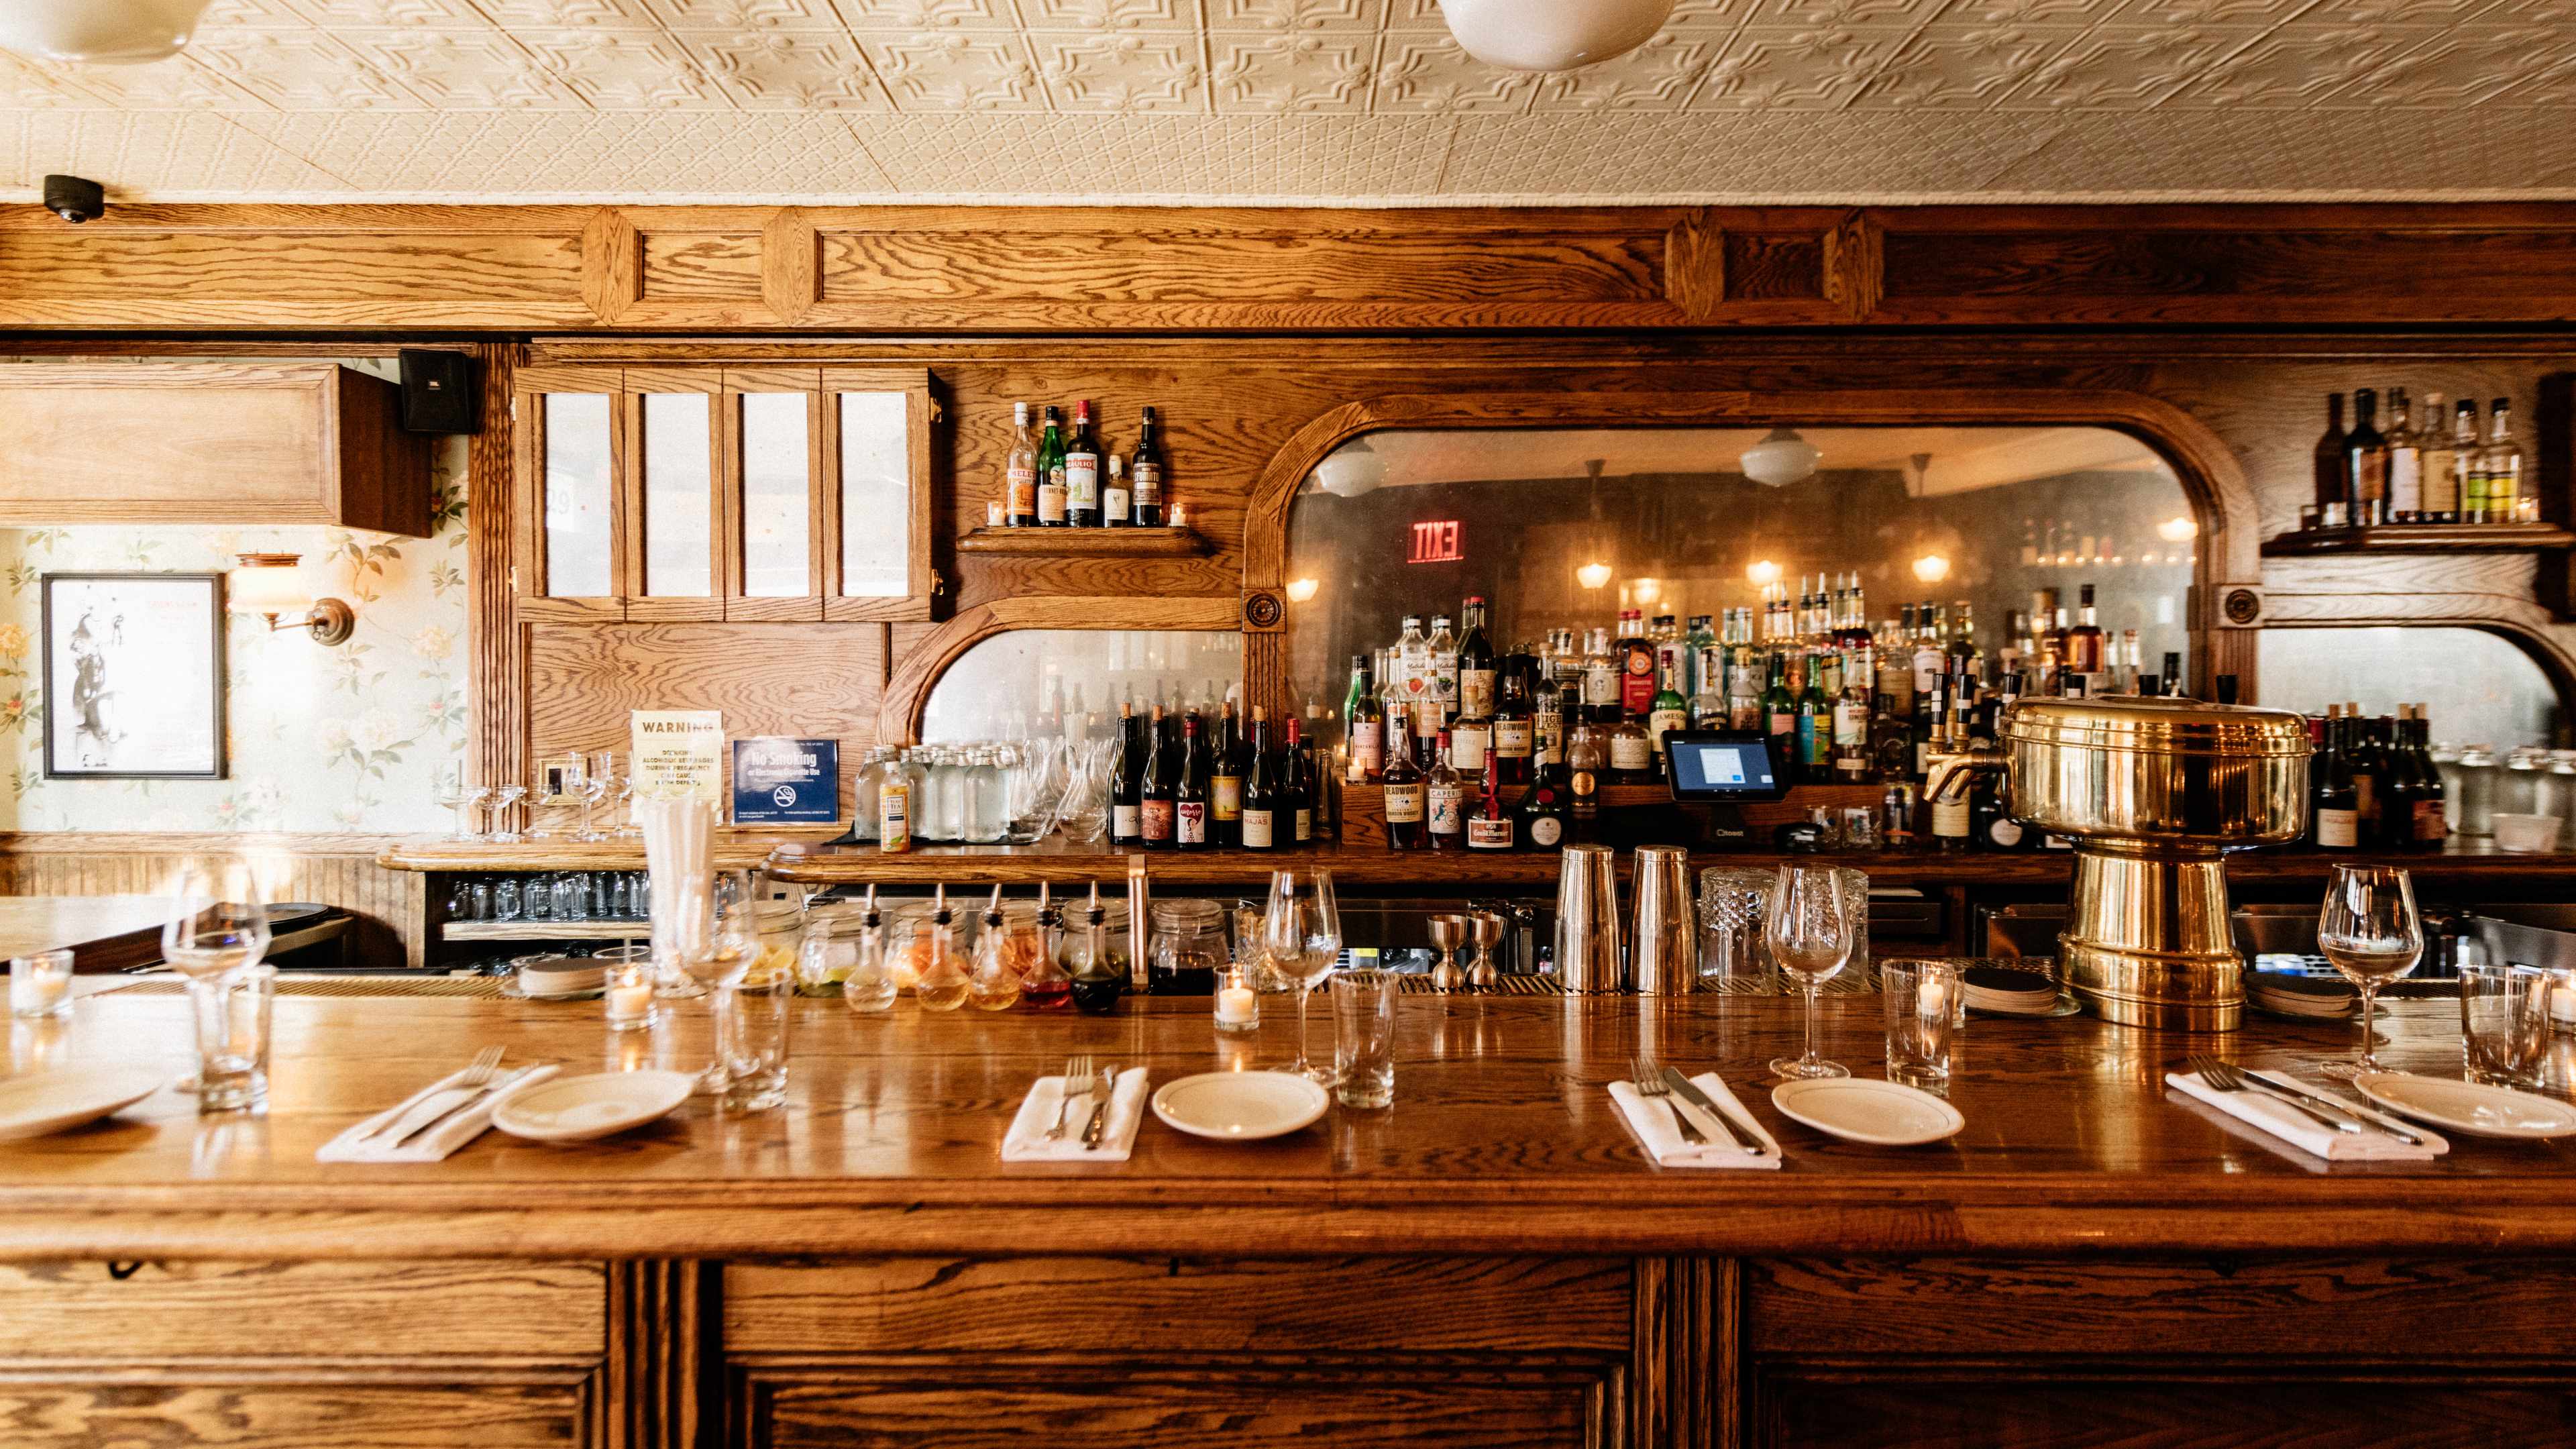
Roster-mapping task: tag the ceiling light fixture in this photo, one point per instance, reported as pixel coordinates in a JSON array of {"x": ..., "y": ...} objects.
[
  {"x": 1553, "y": 34},
  {"x": 1593, "y": 575},
  {"x": 99, "y": 32},
  {"x": 1762, "y": 572},
  {"x": 1301, "y": 590},
  {"x": 2176, "y": 530},
  {"x": 1932, "y": 568},
  {"x": 266, "y": 585},
  {"x": 1352, "y": 469},
  {"x": 1780, "y": 459}
]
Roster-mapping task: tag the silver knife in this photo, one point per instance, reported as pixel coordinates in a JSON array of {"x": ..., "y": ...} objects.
[
  {"x": 1691, "y": 1096},
  {"x": 2289, "y": 1083},
  {"x": 492, "y": 1088},
  {"x": 1099, "y": 1123}
]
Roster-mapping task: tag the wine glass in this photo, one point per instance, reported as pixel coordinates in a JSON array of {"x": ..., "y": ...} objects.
[
  {"x": 1809, "y": 931},
  {"x": 609, "y": 780},
  {"x": 505, "y": 800},
  {"x": 1302, "y": 934},
  {"x": 719, "y": 959},
  {"x": 464, "y": 800},
  {"x": 218, "y": 929},
  {"x": 590, "y": 786},
  {"x": 2370, "y": 933}
]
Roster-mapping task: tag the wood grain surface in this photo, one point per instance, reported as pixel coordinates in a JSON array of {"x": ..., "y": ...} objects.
[
  {"x": 164, "y": 1310},
  {"x": 293, "y": 1411}
]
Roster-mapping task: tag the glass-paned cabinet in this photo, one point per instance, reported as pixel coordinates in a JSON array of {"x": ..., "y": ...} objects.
[{"x": 674, "y": 493}]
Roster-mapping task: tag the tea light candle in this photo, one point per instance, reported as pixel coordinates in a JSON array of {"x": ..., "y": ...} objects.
[
  {"x": 40, "y": 985},
  {"x": 630, "y": 1002},
  {"x": 993, "y": 513},
  {"x": 1933, "y": 1000},
  {"x": 1178, "y": 515},
  {"x": 1238, "y": 1008}
]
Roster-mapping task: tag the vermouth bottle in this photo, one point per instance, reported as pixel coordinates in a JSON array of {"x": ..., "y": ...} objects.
[
  {"x": 1020, "y": 509},
  {"x": 1082, "y": 472}
]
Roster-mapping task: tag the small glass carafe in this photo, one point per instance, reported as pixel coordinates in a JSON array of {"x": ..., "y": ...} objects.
[
  {"x": 994, "y": 985},
  {"x": 939, "y": 983}
]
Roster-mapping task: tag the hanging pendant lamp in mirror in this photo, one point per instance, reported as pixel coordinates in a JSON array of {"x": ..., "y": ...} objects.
[
  {"x": 98, "y": 32},
  {"x": 1553, "y": 34}
]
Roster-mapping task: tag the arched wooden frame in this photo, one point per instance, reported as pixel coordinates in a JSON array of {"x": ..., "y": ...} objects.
[{"x": 2222, "y": 502}]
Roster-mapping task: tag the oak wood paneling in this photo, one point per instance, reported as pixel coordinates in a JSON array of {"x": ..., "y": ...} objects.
[
  {"x": 80, "y": 1310},
  {"x": 1993, "y": 1408},
  {"x": 699, "y": 264},
  {"x": 1145, "y": 1306},
  {"x": 292, "y": 1410},
  {"x": 334, "y": 870},
  {"x": 452, "y": 267}
]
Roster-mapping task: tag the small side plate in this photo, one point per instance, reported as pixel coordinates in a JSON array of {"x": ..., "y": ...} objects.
[
  {"x": 1860, "y": 1109},
  {"x": 1240, "y": 1106},
  {"x": 43, "y": 1102},
  {"x": 586, "y": 1108},
  {"x": 2471, "y": 1108}
]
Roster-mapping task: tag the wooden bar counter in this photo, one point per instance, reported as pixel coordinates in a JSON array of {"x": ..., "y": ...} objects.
[{"x": 1490, "y": 1262}]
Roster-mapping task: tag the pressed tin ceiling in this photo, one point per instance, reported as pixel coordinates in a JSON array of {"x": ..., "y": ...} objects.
[{"x": 1326, "y": 102}]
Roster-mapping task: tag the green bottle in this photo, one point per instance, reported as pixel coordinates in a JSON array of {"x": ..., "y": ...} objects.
[
  {"x": 1780, "y": 718},
  {"x": 1815, "y": 726},
  {"x": 1051, "y": 472},
  {"x": 1669, "y": 712}
]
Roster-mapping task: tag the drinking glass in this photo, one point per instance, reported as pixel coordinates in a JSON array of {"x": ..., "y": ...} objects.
[
  {"x": 1923, "y": 1002},
  {"x": 1364, "y": 1038},
  {"x": 233, "y": 1014},
  {"x": 1733, "y": 905},
  {"x": 1809, "y": 931},
  {"x": 506, "y": 905},
  {"x": 2369, "y": 931},
  {"x": 752, "y": 1034},
  {"x": 1302, "y": 933},
  {"x": 2504, "y": 1022},
  {"x": 718, "y": 964},
  {"x": 218, "y": 930},
  {"x": 504, "y": 801}
]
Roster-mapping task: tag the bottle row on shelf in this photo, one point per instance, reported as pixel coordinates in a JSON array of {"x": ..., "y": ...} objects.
[
  {"x": 2441, "y": 470},
  {"x": 1060, "y": 479}
]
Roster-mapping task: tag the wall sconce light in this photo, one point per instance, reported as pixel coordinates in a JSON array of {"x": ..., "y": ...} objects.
[
  {"x": 1932, "y": 568},
  {"x": 1300, "y": 590},
  {"x": 1762, "y": 572},
  {"x": 1645, "y": 591},
  {"x": 1592, "y": 575},
  {"x": 2175, "y": 530},
  {"x": 266, "y": 584}
]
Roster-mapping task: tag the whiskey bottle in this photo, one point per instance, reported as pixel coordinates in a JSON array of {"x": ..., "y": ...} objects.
[
  {"x": 2405, "y": 463},
  {"x": 2084, "y": 641},
  {"x": 1444, "y": 798},
  {"x": 1852, "y": 758},
  {"x": 1515, "y": 734},
  {"x": 1405, "y": 800},
  {"x": 2438, "y": 464},
  {"x": 2365, "y": 451},
  {"x": 1490, "y": 828},
  {"x": 1145, "y": 474}
]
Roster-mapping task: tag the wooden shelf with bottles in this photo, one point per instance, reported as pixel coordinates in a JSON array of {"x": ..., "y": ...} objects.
[
  {"x": 2422, "y": 538},
  {"x": 1179, "y": 541}
]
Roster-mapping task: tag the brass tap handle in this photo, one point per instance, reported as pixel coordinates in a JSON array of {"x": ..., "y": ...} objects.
[{"x": 1952, "y": 770}]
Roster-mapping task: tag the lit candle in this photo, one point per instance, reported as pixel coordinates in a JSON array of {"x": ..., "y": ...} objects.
[
  {"x": 1237, "y": 1008},
  {"x": 1933, "y": 1001},
  {"x": 630, "y": 1001},
  {"x": 40, "y": 985},
  {"x": 992, "y": 514}
]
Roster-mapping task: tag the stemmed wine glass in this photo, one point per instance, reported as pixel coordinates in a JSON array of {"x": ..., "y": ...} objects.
[
  {"x": 504, "y": 800},
  {"x": 466, "y": 801},
  {"x": 1809, "y": 931},
  {"x": 2370, "y": 933},
  {"x": 218, "y": 929},
  {"x": 1302, "y": 934},
  {"x": 606, "y": 780}
]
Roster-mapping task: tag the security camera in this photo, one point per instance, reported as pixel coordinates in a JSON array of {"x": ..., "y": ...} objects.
[{"x": 75, "y": 200}]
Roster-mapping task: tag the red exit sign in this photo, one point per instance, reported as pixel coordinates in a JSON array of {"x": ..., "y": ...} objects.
[{"x": 1438, "y": 541}]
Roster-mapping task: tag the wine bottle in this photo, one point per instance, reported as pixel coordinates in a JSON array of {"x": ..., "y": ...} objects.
[
  {"x": 1226, "y": 767},
  {"x": 1364, "y": 728},
  {"x": 1302, "y": 788},
  {"x": 1126, "y": 780},
  {"x": 1154, "y": 809},
  {"x": 1190, "y": 791},
  {"x": 1145, "y": 474},
  {"x": 1260, "y": 808}
]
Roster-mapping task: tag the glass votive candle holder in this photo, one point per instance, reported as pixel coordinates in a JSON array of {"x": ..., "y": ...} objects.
[
  {"x": 1238, "y": 1006},
  {"x": 41, "y": 984},
  {"x": 629, "y": 997},
  {"x": 1922, "y": 1021}
]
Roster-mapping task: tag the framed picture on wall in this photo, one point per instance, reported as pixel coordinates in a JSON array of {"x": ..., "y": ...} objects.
[{"x": 134, "y": 676}]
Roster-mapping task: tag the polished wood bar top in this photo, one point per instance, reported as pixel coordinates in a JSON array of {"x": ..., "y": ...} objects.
[
  {"x": 103, "y": 932},
  {"x": 1502, "y": 1139}
]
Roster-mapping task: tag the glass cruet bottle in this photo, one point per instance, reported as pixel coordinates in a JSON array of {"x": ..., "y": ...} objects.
[
  {"x": 939, "y": 983},
  {"x": 1047, "y": 985},
  {"x": 870, "y": 985},
  {"x": 993, "y": 985},
  {"x": 1097, "y": 983}
]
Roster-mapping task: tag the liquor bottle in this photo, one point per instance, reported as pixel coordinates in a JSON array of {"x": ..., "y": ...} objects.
[
  {"x": 1117, "y": 501},
  {"x": 1632, "y": 754},
  {"x": 1490, "y": 828},
  {"x": 1586, "y": 757},
  {"x": 1405, "y": 788},
  {"x": 2500, "y": 468},
  {"x": 1444, "y": 798},
  {"x": 2400, "y": 786},
  {"x": 1815, "y": 725},
  {"x": 2432, "y": 826},
  {"x": 1301, "y": 790},
  {"x": 1471, "y": 738},
  {"x": 1227, "y": 765},
  {"x": 1962, "y": 649},
  {"x": 1145, "y": 475},
  {"x": 1852, "y": 759},
  {"x": 2465, "y": 478},
  {"x": 1636, "y": 666},
  {"x": 1930, "y": 651},
  {"x": 1443, "y": 695},
  {"x": 1707, "y": 685},
  {"x": 1162, "y": 773},
  {"x": 1891, "y": 726},
  {"x": 2335, "y": 804},
  {"x": 1191, "y": 790},
  {"x": 1020, "y": 508},
  {"x": 2368, "y": 770},
  {"x": 2365, "y": 469},
  {"x": 1552, "y": 706},
  {"x": 1126, "y": 781},
  {"x": 1258, "y": 808},
  {"x": 1476, "y": 661},
  {"x": 1743, "y": 691},
  {"x": 2172, "y": 673},
  {"x": 2438, "y": 464},
  {"x": 1082, "y": 471},
  {"x": 1364, "y": 728},
  {"x": 1669, "y": 713},
  {"x": 1515, "y": 733},
  {"x": 1931, "y": 725},
  {"x": 1600, "y": 679},
  {"x": 1539, "y": 821},
  {"x": 1051, "y": 484},
  {"x": 1780, "y": 717},
  {"x": 1672, "y": 658},
  {"x": 2084, "y": 641},
  {"x": 2405, "y": 463},
  {"x": 1414, "y": 683},
  {"x": 2332, "y": 491}
]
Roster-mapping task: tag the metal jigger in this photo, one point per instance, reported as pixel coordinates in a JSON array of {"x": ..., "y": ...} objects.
[
  {"x": 1485, "y": 929},
  {"x": 1448, "y": 933}
]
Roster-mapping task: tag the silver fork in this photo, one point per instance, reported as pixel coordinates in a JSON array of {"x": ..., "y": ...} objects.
[
  {"x": 1076, "y": 1069},
  {"x": 1649, "y": 1083},
  {"x": 2226, "y": 1077},
  {"x": 438, "y": 1104}
]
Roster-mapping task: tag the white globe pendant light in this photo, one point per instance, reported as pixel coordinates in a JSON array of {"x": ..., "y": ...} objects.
[
  {"x": 1780, "y": 459},
  {"x": 1553, "y": 34},
  {"x": 98, "y": 32}
]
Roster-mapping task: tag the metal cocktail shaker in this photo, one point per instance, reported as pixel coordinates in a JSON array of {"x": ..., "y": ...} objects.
[
  {"x": 1666, "y": 956},
  {"x": 1587, "y": 919}
]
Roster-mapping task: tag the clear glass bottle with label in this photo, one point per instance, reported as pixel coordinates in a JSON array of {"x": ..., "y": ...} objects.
[{"x": 1444, "y": 800}]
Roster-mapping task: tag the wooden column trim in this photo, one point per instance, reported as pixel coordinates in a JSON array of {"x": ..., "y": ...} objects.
[
  {"x": 612, "y": 264},
  {"x": 496, "y": 700},
  {"x": 791, "y": 273},
  {"x": 1695, "y": 265},
  {"x": 657, "y": 1391}
]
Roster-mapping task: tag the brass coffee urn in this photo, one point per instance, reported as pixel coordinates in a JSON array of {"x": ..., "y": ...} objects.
[{"x": 2154, "y": 792}]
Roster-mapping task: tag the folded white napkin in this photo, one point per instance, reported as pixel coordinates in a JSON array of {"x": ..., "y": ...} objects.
[
  {"x": 430, "y": 1146},
  {"x": 1658, "y": 1127},
  {"x": 1027, "y": 1139},
  {"x": 2271, "y": 1116}
]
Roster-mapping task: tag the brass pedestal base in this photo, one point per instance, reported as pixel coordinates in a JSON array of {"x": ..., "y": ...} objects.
[{"x": 2149, "y": 944}]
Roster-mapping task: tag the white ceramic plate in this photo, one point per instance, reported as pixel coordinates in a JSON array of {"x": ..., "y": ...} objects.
[
  {"x": 1859, "y": 1109},
  {"x": 1240, "y": 1106},
  {"x": 2472, "y": 1108},
  {"x": 583, "y": 1109},
  {"x": 43, "y": 1102}
]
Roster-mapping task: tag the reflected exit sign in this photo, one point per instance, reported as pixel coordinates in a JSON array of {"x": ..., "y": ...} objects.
[{"x": 1438, "y": 541}]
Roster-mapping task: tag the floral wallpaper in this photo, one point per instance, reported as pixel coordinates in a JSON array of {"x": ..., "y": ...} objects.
[{"x": 345, "y": 738}]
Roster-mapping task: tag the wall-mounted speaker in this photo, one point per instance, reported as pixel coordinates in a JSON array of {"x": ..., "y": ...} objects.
[{"x": 438, "y": 392}]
